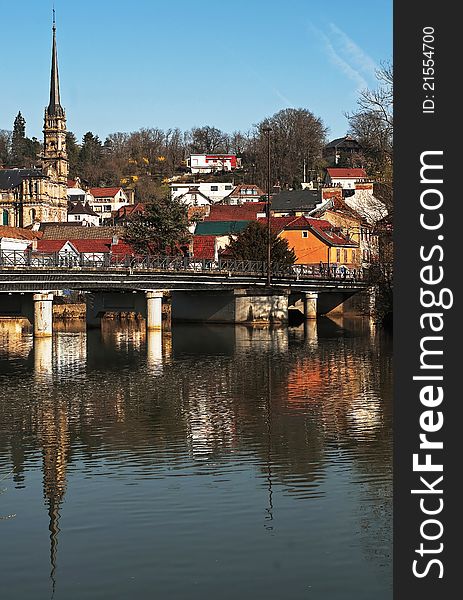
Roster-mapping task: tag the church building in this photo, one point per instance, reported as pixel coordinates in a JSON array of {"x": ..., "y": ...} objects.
[{"x": 40, "y": 194}]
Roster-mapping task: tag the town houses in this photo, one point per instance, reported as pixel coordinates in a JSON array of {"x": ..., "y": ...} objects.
[{"x": 329, "y": 221}]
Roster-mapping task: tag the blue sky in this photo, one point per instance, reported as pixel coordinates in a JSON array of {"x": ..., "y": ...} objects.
[{"x": 146, "y": 63}]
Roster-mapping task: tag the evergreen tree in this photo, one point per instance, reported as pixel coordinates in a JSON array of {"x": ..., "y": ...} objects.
[
  {"x": 32, "y": 150},
  {"x": 162, "y": 229},
  {"x": 90, "y": 157},
  {"x": 73, "y": 151},
  {"x": 18, "y": 141},
  {"x": 251, "y": 244}
]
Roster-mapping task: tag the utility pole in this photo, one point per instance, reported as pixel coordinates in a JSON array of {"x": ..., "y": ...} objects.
[{"x": 267, "y": 129}]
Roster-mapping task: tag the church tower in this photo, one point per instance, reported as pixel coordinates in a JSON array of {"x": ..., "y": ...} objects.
[
  {"x": 55, "y": 160},
  {"x": 31, "y": 195}
]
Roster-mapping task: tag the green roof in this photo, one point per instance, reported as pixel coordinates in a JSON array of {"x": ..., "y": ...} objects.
[{"x": 220, "y": 227}]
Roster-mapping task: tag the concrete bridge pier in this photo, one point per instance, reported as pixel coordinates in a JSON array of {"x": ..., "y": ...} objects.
[
  {"x": 310, "y": 305},
  {"x": 43, "y": 314},
  {"x": 148, "y": 304},
  {"x": 253, "y": 306}
]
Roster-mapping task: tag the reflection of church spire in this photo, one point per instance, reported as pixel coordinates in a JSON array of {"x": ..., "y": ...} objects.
[{"x": 54, "y": 434}]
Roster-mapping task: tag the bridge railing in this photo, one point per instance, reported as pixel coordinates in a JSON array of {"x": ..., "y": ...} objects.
[{"x": 105, "y": 261}]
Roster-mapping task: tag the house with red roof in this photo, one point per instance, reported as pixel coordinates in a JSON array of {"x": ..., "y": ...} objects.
[
  {"x": 71, "y": 251},
  {"x": 17, "y": 238},
  {"x": 345, "y": 178},
  {"x": 317, "y": 241},
  {"x": 106, "y": 201}
]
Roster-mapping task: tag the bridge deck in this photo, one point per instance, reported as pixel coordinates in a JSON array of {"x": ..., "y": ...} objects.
[{"x": 21, "y": 272}]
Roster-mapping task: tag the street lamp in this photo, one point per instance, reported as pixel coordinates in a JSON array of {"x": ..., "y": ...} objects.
[{"x": 267, "y": 129}]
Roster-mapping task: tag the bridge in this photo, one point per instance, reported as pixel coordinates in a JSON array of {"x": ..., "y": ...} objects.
[{"x": 201, "y": 290}]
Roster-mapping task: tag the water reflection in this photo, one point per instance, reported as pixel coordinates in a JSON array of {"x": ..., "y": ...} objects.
[{"x": 286, "y": 428}]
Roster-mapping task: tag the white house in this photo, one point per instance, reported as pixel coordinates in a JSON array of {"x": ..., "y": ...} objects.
[
  {"x": 345, "y": 178},
  {"x": 16, "y": 238},
  {"x": 107, "y": 200},
  {"x": 82, "y": 213},
  {"x": 214, "y": 192},
  {"x": 209, "y": 163},
  {"x": 245, "y": 193}
]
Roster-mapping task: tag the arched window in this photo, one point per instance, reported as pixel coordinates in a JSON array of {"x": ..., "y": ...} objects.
[{"x": 32, "y": 214}]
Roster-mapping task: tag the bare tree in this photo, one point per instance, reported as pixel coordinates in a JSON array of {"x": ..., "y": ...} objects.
[
  {"x": 297, "y": 136},
  {"x": 372, "y": 125}
]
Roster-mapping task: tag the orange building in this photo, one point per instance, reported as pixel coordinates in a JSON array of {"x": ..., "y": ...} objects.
[{"x": 316, "y": 241}]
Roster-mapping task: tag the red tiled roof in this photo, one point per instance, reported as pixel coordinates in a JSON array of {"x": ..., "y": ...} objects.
[
  {"x": 323, "y": 229},
  {"x": 329, "y": 234},
  {"x": 105, "y": 192},
  {"x": 86, "y": 246},
  {"x": 347, "y": 173},
  {"x": 18, "y": 233},
  {"x": 278, "y": 224},
  {"x": 203, "y": 246},
  {"x": 50, "y": 245},
  {"x": 241, "y": 212},
  {"x": 129, "y": 209}
]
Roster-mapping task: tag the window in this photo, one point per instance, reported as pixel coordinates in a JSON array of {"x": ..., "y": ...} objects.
[
  {"x": 338, "y": 255},
  {"x": 174, "y": 189},
  {"x": 214, "y": 188},
  {"x": 228, "y": 187},
  {"x": 305, "y": 234},
  {"x": 345, "y": 256}
]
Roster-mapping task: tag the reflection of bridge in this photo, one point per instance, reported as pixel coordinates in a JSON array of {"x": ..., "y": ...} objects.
[{"x": 202, "y": 290}]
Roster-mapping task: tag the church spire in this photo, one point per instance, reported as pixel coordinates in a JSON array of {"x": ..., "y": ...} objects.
[{"x": 54, "y": 108}]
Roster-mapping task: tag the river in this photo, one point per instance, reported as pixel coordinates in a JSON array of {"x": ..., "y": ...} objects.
[{"x": 204, "y": 462}]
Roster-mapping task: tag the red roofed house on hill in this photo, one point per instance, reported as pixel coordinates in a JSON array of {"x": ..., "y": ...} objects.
[
  {"x": 107, "y": 200},
  {"x": 345, "y": 178},
  {"x": 209, "y": 163}
]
